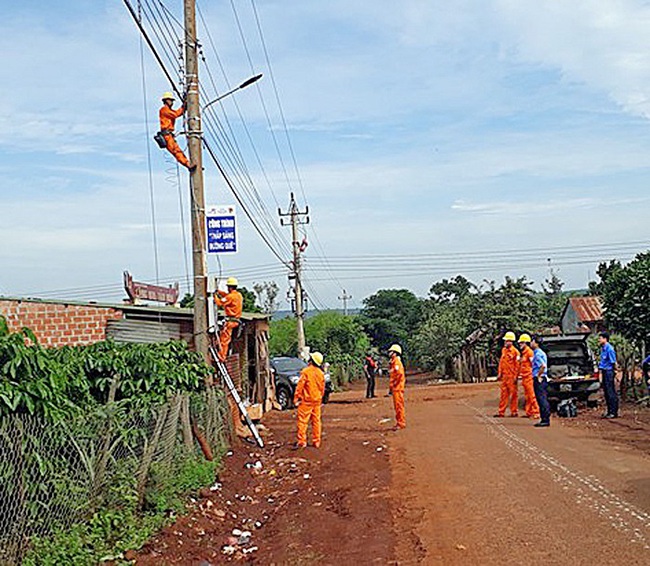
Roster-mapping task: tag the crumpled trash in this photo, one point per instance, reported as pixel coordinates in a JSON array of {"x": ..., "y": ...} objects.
[
  {"x": 228, "y": 550},
  {"x": 249, "y": 550},
  {"x": 216, "y": 487},
  {"x": 306, "y": 476},
  {"x": 380, "y": 448},
  {"x": 244, "y": 538}
]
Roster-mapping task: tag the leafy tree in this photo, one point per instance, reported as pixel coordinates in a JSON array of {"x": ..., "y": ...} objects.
[
  {"x": 283, "y": 338},
  {"x": 391, "y": 315},
  {"x": 551, "y": 302},
  {"x": 187, "y": 301},
  {"x": 249, "y": 300},
  {"x": 267, "y": 295},
  {"x": 340, "y": 338},
  {"x": 625, "y": 291}
]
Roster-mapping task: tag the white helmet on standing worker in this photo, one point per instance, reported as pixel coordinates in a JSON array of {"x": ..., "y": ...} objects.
[
  {"x": 317, "y": 358},
  {"x": 396, "y": 348}
]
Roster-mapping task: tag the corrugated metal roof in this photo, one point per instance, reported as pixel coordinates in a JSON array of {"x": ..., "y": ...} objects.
[
  {"x": 142, "y": 331},
  {"x": 143, "y": 309},
  {"x": 587, "y": 309}
]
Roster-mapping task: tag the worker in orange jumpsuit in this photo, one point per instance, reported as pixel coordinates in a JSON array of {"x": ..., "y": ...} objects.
[
  {"x": 232, "y": 303},
  {"x": 168, "y": 117},
  {"x": 309, "y": 398},
  {"x": 526, "y": 375},
  {"x": 508, "y": 374},
  {"x": 396, "y": 384}
]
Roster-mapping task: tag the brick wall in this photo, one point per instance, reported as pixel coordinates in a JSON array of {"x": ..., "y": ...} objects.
[{"x": 59, "y": 324}]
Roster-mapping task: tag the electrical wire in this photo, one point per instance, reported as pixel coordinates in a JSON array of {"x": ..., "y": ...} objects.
[
  {"x": 166, "y": 42},
  {"x": 152, "y": 199}
]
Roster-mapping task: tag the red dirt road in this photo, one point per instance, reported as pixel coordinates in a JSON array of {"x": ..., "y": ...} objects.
[{"x": 455, "y": 487}]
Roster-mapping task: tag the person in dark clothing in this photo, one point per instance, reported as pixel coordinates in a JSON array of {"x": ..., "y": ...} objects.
[
  {"x": 607, "y": 367},
  {"x": 645, "y": 367},
  {"x": 540, "y": 382},
  {"x": 370, "y": 369}
]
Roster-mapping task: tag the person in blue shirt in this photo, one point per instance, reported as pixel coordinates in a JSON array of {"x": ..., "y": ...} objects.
[
  {"x": 607, "y": 367},
  {"x": 540, "y": 381}
]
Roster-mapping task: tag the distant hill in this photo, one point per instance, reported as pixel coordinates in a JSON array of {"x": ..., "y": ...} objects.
[{"x": 279, "y": 315}]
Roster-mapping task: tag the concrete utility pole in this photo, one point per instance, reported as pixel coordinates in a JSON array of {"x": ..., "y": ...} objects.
[
  {"x": 345, "y": 298},
  {"x": 194, "y": 142},
  {"x": 295, "y": 220}
]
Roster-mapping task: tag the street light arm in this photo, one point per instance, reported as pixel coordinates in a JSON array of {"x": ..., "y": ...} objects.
[{"x": 246, "y": 83}]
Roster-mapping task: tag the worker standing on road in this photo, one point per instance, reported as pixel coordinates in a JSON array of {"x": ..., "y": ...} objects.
[
  {"x": 309, "y": 398},
  {"x": 607, "y": 366},
  {"x": 232, "y": 302},
  {"x": 508, "y": 373},
  {"x": 540, "y": 381},
  {"x": 370, "y": 369},
  {"x": 168, "y": 116},
  {"x": 526, "y": 374},
  {"x": 396, "y": 384}
]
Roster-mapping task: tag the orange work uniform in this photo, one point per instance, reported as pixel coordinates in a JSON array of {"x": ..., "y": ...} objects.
[
  {"x": 309, "y": 398},
  {"x": 167, "y": 120},
  {"x": 526, "y": 374},
  {"x": 508, "y": 373},
  {"x": 232, "y": 303},
  {"x": 396, "y": 385}
]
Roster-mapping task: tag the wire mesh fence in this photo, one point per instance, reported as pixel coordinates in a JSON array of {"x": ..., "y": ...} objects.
[{"x": 54, "y": 476}]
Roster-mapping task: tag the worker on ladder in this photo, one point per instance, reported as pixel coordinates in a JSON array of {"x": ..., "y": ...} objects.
[
  {"x": 165, "y": 137},
  {"x": 232, "y": 303}
]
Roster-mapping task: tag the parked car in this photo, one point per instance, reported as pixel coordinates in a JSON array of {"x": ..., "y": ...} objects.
[
  {"x": 286, "y": 373},
  {"x": 572, "y": 370}
]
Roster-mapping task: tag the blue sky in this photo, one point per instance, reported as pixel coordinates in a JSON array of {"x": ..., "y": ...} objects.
[{"x": 419, "y": 127}]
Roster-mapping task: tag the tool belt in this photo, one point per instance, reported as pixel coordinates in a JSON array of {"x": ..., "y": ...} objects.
[{"x": 159, "y": 138}]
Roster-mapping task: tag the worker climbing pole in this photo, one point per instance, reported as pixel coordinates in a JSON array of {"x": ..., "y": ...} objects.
[{"x": 165, "y": 138}]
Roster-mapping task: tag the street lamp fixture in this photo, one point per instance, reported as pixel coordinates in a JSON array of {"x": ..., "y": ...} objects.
[{"x": 246, "y": 83}]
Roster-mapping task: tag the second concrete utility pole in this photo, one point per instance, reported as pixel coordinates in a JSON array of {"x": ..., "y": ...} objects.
[{"x": 297, "y": 218}]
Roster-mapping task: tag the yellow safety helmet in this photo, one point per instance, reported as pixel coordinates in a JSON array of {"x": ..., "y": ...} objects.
[
  {"x": 396, "y": 348},
  {"x": 232, "y": 282},
  {"x": 509, "y": 336},
  {"x": 168, "y": 96},
  {"x": 525, "y": 338},
  {"x": 317, "y": 358}
]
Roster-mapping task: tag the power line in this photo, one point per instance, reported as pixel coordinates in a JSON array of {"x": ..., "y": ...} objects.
[
  {"x": 149, "y": 166},
  {"x": 160, "y": 37}
]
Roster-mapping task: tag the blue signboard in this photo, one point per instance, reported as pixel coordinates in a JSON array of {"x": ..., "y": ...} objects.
[{"x": 221, "y": 229}]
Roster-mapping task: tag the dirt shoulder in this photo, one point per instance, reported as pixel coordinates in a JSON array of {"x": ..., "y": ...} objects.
[
  {"x": 326, "y": 506},
  {"x": 455, "y": 487}
]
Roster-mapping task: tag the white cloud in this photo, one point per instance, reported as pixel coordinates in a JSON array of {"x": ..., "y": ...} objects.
[{"x": 602, "y": 43}]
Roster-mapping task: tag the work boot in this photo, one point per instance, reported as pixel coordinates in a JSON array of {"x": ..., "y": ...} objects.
[
  {"x": 297, "y": 446},
  {"x": 610, "y": 416},
  {"x": 541, "y": 424},
  {"x": 498, "y": 416}
]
